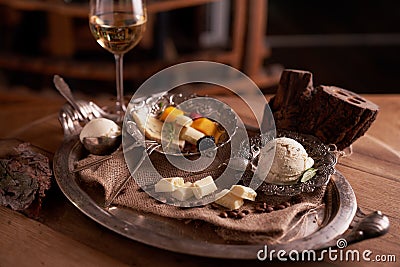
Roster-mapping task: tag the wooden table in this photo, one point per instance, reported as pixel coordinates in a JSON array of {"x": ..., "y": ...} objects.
[{"x": 63, "y": 236}]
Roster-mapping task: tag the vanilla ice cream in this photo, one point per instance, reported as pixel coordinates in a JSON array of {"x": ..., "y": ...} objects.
[
  {"x": 100, "y": 127},
  {"x": 289, "y": 162}
]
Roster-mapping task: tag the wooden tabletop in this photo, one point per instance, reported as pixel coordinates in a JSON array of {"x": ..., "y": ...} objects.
[{"x": 63, "y": 236}]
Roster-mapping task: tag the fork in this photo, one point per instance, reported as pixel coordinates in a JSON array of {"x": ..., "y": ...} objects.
[
  {"x": 86, "y": 110},
  {"x": 91, "y": 110},
  {"x": 70, "y": 120}
]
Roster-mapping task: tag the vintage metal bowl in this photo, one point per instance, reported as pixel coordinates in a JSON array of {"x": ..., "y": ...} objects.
[
  {"x": 324, "y": 161},
  {"x": 207, "y": 107}
]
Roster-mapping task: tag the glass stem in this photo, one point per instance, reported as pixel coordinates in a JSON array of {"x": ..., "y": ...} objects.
[{"x": 119, "y": 105}]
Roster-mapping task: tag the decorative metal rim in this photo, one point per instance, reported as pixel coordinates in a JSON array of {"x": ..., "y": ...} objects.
[{"x": 325, "y": 161}]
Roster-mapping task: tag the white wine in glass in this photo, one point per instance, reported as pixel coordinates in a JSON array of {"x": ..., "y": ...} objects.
[{"x": 118, "y": 26}]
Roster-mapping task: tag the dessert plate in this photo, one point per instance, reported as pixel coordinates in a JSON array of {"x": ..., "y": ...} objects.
[{"x": 174, "y": 235}]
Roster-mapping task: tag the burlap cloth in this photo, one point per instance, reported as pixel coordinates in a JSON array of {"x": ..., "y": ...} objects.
[{"x": 253, "y": 228}]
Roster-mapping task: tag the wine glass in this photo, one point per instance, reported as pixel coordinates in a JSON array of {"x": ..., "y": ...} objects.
[{"x": 118, "y": 26}]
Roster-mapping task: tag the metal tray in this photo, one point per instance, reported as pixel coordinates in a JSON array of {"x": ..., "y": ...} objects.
[{"x": 339, "y": 214}]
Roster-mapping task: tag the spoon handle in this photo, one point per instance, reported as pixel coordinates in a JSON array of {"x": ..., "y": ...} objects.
[{"x": 65, "y": 91}]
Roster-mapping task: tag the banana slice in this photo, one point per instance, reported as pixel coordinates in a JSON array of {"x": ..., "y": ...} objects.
[{"x": 152, "y": 128}]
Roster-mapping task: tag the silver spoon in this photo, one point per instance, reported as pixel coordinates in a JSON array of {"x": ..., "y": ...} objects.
[
  {"x": 102, "y": 145},
  {"x": 101, "y": 136},
  {"x": 65, "y": 91},
  {"x": 86, "y": 111}
]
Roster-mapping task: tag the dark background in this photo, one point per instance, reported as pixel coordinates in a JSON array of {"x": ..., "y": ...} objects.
[
  {"x": 355, "y": 63},
  {"x": 361, "y": 66}
]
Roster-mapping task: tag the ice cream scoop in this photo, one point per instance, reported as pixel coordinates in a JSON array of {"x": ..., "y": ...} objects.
[
  {"x": 289, "y": 162},
  {"x": 100, "y": 136}
]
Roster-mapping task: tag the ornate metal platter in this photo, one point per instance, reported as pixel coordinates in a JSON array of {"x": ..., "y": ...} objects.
[{"x": 175, "y": 235}]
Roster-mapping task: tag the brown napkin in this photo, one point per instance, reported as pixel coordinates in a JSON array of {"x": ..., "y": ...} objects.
[{"x": 254, "y": 228}]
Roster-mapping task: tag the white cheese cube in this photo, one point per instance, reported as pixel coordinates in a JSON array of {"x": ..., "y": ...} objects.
[
  {"x": 244, "y": 192},
  {"x": 183, "y": 120},
  {"x": 184, "y": 192},
  {"x": 169, "y": 184},
  {"x": 191, "y": 135},
  {"x": 228, "y": 200},
  {"x": 221, "y": 194},
  {"x": 204, "y": 187}
]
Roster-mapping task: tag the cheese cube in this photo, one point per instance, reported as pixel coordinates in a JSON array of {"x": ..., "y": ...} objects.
[
  {"x": 170, "y": 113},
  {"x": 169, "y": 184},
  {"x": 152, "y": 129},
  {"x": 183, "y": 120},
  {"x": 221, "y": 194},
  {"x": 191, "y": 135},
  {"x": 184, "y": 192},
  {"x": 204, "y": 187},
  {"x": 244, "y": 192},
  {"x": 205, "y": 126},
  {"x": 228, "y": 200}
]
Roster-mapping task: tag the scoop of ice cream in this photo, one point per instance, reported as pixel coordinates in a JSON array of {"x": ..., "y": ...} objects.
[
  {"x": 289, "y": 162},
  {"x": 100, "y": 127}
]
